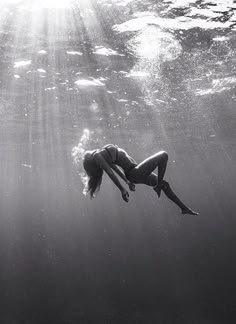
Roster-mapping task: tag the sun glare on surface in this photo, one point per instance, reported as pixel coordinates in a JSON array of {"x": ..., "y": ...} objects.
[
  {"x": 54, "y": 4},
  {"x": 50, "y": 4}
]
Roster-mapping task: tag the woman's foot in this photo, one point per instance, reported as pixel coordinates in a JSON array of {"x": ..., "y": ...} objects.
[
  {"x": 189, "y": 211},
  {"x": 157, "y": 188}
]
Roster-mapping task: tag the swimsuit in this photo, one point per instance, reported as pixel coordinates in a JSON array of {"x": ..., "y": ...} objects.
[
  {"x": 109, "y": 153},
  {"x": 127, "y": 169}
]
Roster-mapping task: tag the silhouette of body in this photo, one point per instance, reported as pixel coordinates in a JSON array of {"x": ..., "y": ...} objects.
[{"x": 112, "y": 158}]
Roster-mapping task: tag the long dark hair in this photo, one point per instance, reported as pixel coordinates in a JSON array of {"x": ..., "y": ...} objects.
[{"x": 93, "y": 177}]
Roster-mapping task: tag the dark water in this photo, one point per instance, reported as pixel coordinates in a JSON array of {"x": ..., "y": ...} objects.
[{"x": 146, "y": 76}]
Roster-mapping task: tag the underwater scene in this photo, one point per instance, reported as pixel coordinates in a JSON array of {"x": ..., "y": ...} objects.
[{"x": 147, "y": 76}]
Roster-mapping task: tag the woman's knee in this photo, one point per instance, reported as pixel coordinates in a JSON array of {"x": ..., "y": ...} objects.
[{"x": 164, "y": 155}]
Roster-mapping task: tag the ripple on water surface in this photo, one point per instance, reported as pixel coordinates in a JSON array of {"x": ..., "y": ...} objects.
[
  {"x": 100, "y": 50},
  {"x": 83, "y": 83},
  {"x": 19, "y": 64}
]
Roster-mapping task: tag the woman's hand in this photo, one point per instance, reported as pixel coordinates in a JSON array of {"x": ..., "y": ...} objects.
[
  {"x": 131, "y": 186},
  {"x": 125, "y": 194}
]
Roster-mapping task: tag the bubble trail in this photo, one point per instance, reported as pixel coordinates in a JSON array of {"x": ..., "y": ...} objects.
[
  {"x": 78, "y": 154},
  {"x": 78, "y": 151}
]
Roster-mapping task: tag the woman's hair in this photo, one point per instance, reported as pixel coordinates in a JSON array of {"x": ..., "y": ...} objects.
[{"x": 93, "y": 177}]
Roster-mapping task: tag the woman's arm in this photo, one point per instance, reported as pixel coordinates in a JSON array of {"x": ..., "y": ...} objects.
[
  {"x": 99, "y": 159},
  {"x": 123, "y": 176},
  {"x": 119, "y": 172}
]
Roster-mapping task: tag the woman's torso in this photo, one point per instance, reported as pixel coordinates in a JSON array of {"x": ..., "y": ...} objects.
[{"x": 115, "y": 155}]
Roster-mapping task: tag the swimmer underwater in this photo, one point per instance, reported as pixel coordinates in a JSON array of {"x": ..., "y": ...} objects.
[{"x": 112, "y": 158}]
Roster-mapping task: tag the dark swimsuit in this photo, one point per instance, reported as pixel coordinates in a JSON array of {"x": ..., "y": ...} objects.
[
  {"x": 129, "y": 169},
  {"x": 109, "y": 153}
]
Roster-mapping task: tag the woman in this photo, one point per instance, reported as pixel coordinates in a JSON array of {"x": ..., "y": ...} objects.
[{"x": 112, "y": 158}]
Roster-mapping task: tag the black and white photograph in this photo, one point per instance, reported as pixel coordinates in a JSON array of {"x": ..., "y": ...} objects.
[{"x": 118, "y": 161}]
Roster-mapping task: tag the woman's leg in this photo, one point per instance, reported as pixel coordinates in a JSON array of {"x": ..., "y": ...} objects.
[
  {"x": 143, "y": 173},
  {"x": 172, "y": 196},
  {"x": 152, "y": 181},
  {"x": 145, "y": 168}
]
